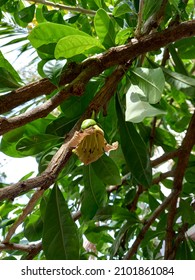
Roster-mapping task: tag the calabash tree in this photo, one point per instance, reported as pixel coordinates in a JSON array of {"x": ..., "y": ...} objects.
[{"x": 109, "y": 118}]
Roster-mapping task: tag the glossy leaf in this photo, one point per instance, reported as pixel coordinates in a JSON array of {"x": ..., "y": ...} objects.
[
  {"x": 179, "y": 65},
  {"x": 134, "y": 150},
  {"x": 94, "y": 195},
  {"x": 136, "y": 108},
  {"x": 27, "y": 14},
  {"x": 121, "y": 9},
  {"x": 187, "y": 212},
  {"x": 150, "y": 7},
  {"x": 190, "y": 174},
  {"x": 33, "y": 227},
  {"x": 151, "y": 82},
  {"x": 76, "y": 44},
  {"x": 28, "y": 146},
  {"x": 50, "y": 33},
  {"x": 186, "y": 48},
  {"x": 60, "y": 236},
  {"x": 9, "y": 78},
  {"x": 52, "y": 69},
  {"x": 104, "y": 28},
  {"x": 115, "y": 213},
  {"x": 180, "y": 81},
  {"x": 106, "y": 169}
]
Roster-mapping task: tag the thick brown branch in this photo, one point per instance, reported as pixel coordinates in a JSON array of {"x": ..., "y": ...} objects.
[
  {"x": 183, "y": 157},
  {"x": 164, "y": 157},
  {"x": 26, "y": 93},
  {"x": 48, "y": 177},
  {"x": 114, "y": 56},
  {"x": 20, "y": 247}
]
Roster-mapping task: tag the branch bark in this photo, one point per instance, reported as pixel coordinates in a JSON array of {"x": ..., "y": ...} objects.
[
  {"x": 183, "y": 157},
  {"x": 48, "y": 177},
  {"x": 97, "y": 64}
]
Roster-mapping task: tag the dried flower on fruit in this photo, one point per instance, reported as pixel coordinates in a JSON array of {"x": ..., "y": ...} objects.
[{"x": 89, "y": 143}]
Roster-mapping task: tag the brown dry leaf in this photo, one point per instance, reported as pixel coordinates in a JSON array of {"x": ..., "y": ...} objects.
[{"x": 90, "y": 144}]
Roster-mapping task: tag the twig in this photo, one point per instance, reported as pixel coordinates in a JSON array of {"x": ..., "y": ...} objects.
[
  {"x": 183, "y": 157},
  {"x": 28, "y": 209},
  {"x": 165, "y": 157},
  {"x": 139, "y": 19},
  {"x": 163, "y": 176},
  {"x": 65, "y": 7}
]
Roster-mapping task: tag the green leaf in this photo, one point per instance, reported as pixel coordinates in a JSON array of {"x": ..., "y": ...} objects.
[
  {"x": 9, "y": 78},
  {"x": 187, "y": 212},
  {"x": 33, "y": 227},
  {"x": 180, "y": 81},
  {"x": 106, "y": 169},
  {"x": 60, "y": 234},
  {"x": 52, "y": 69},
  {"x": 28, "y": 146},
  {"x": 150, "y": 7},
  {"x": 2, "y": 2},
  {"x": 74, "y": 106},
  {"x": 122, "y": 36},
  {"x": 153, "y": 203},
  {"x": 164, "y": 139},
  {"x": 186, "y": 48},
  {"x": 121, "y": 9},
  {"x": 151, "y": 82},
  {"x": 137, "y": 109},
  {"x": 190, "y": 174},
  {"x": 116, "y": 213},
  {"x": 50, "y": 33},
  {"x": 27, "y": 14},
  {"x": 119, "y": 238},
  {"x": 179, "y": 65},
  {"x": 134, "y": 150},
  {"x": 104, "y": 28},
  {"x": 72, "y": 45},
  {"x": 94, "y": 195}
]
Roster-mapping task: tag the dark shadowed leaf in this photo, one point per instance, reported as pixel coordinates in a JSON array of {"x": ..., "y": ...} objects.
[
  {"x": 94, "y": 195},
  {"x": 106, "y": 169},
  {"x": 60, "y": 236},
  {"x": 134, "y": 150}
]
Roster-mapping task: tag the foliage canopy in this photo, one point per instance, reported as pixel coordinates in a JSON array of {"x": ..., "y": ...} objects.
[{"x": 130, "y": 64}]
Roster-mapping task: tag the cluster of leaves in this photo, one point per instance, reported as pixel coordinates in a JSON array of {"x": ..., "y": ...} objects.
[{"x": 153, "y": 105}]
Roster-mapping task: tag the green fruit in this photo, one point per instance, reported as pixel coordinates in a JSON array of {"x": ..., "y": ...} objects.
[{"x": 87, "y": 123}]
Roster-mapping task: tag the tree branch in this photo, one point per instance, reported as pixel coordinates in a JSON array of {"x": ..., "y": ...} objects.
[
  {"x": 28, "y": 92},
  {"x": 20, "y": 247},
  {"x": 183, "y": 157},
  {"x": 165, "y": 157},
  {"x": 114, "y": 56},
  {"x": 48, "y": 177}
]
